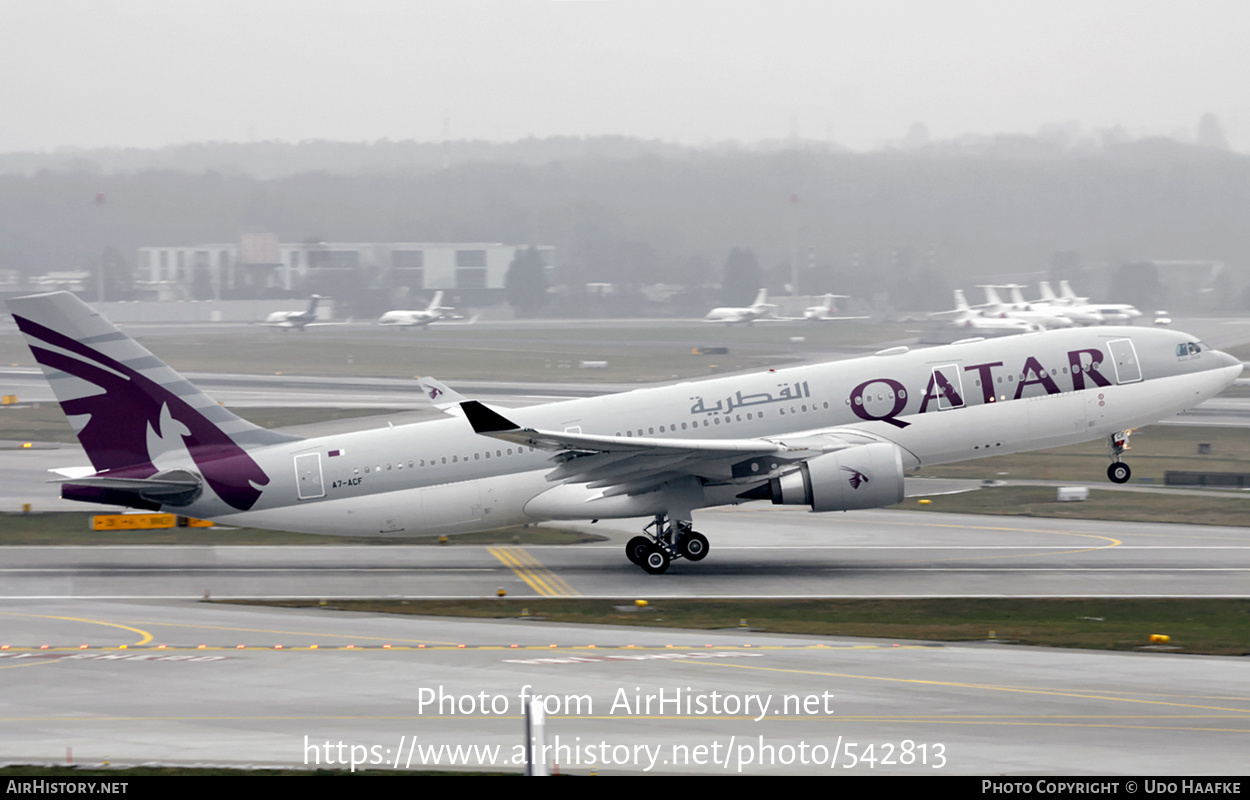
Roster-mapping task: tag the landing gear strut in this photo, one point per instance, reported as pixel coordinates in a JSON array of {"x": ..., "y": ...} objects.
[
  {"x": 665, "y": 540},
  {"x": 1117, "y": 445}
]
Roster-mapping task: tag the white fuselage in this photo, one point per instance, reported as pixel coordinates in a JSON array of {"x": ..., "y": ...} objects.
[{"x": 1006, "y": 395}]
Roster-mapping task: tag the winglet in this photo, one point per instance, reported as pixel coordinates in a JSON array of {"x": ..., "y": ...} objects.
[
  {"x": 442, "y": 397},
  {"x": 484, "y": 420}
]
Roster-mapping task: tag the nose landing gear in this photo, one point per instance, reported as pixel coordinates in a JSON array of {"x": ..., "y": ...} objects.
[{"x": 1117, "y": 445}]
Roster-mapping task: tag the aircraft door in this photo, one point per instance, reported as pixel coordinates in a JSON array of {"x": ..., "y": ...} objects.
[
  {"x": 1124, "y": 357},
  {"x": 308, "y": 481},
  {"x": 948, "y": 385}
]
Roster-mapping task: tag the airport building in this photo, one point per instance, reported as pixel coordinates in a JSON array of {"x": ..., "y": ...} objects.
[{"x": 259, "y": 264}]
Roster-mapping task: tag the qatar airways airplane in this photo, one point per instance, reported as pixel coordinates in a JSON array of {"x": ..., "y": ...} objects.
[{"x": 832, "y": 436}]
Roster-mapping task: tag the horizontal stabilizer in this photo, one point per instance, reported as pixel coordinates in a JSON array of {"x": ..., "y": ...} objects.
[{"x": 176, "y": 487}]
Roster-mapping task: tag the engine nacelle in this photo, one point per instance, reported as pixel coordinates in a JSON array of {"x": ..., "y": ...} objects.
[{"x": 864, "y": 476}]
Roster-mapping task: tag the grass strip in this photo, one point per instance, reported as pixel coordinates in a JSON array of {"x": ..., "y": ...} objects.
[{"x": 1196, "y": 626}]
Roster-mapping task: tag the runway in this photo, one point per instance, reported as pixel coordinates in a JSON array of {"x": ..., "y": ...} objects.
[
  {"x": 209, "y": 684},
  {"x": 137, "y": 670},
  {"x": 756, "y": 551}
]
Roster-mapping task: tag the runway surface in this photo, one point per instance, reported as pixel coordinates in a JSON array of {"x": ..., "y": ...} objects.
[
  {"x": 206, "y": 684},
  {"x": 756, "y": 551}
]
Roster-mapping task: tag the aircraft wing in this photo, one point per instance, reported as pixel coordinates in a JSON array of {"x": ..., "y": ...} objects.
[{"x": 635, "y": 465}]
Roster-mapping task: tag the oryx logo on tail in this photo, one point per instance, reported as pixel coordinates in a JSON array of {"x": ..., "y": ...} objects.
[{"x": 132, "y": 413}]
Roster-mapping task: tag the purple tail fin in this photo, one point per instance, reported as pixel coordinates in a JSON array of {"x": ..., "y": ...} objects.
[{"x": 124, "y": 402}]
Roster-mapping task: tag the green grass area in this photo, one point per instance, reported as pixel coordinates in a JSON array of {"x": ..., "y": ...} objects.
[
  {"x": 46, "y": 423},
  {"x": 1203, "y": 626},
  {"x": 72, "y": 528},
  {"x": 1155, "y": 449},
  {"x": 1103, "y": 504}
]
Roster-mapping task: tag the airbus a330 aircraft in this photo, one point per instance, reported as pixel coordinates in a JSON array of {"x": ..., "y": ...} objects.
[{"x": 833, "y": 436}]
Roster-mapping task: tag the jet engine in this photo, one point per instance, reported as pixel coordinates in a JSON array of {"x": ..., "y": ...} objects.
[{"x": 864, "y": 476}]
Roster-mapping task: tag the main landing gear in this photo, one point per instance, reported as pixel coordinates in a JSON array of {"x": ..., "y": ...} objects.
[
  {"x": 664, "y": 541},
  {"x": 1117, "y": 445}
]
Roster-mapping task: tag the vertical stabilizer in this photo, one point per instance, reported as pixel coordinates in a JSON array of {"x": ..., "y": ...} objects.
[
  {"x": 129, "y": 409},
  {"x": 991, "y": 296}
]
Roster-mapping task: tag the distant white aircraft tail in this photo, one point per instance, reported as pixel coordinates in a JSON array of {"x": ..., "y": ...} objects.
[
  {"x": 761, "y": 299},
  {"x": 437, "y": 302},
  {"x": 991, "y": 296},
  {"x": 1048, "y": 294}
]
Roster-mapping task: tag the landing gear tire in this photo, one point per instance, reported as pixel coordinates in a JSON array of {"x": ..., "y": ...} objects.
[
  {"x": 693, "y": 546},
  {"x": 655, "y": 561},
  {"x": 636, "y": 549},
  {"x": 1119, "y": 472}
]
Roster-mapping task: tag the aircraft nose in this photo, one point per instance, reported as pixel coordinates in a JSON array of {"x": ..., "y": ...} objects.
[{"x": 1226, "y": 360}]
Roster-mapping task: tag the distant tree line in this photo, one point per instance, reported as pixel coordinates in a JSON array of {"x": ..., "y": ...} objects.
[{"x": 907, "y": 224}]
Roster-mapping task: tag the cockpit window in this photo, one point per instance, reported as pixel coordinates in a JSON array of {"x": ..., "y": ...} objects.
[{"x": 1190, "y": 348}]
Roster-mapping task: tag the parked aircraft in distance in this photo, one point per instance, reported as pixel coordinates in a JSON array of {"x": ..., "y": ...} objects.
[
  {"x": 1109, "y": 312},
  {"x": 1045, "y": 317},
  {"x": 298, "y": 320},
  {"x": 760, "y": 309},
  {"x": 1076, "y": 314},
  {"x": 981, "y": 321},
  {"x": 832, "y": 436},
  {"x": 434, "y": 312},
  {"x": 825, "y": 312}
]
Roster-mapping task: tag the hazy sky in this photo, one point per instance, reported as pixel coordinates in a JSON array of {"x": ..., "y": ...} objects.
[{"x": 154, "y": 72}]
